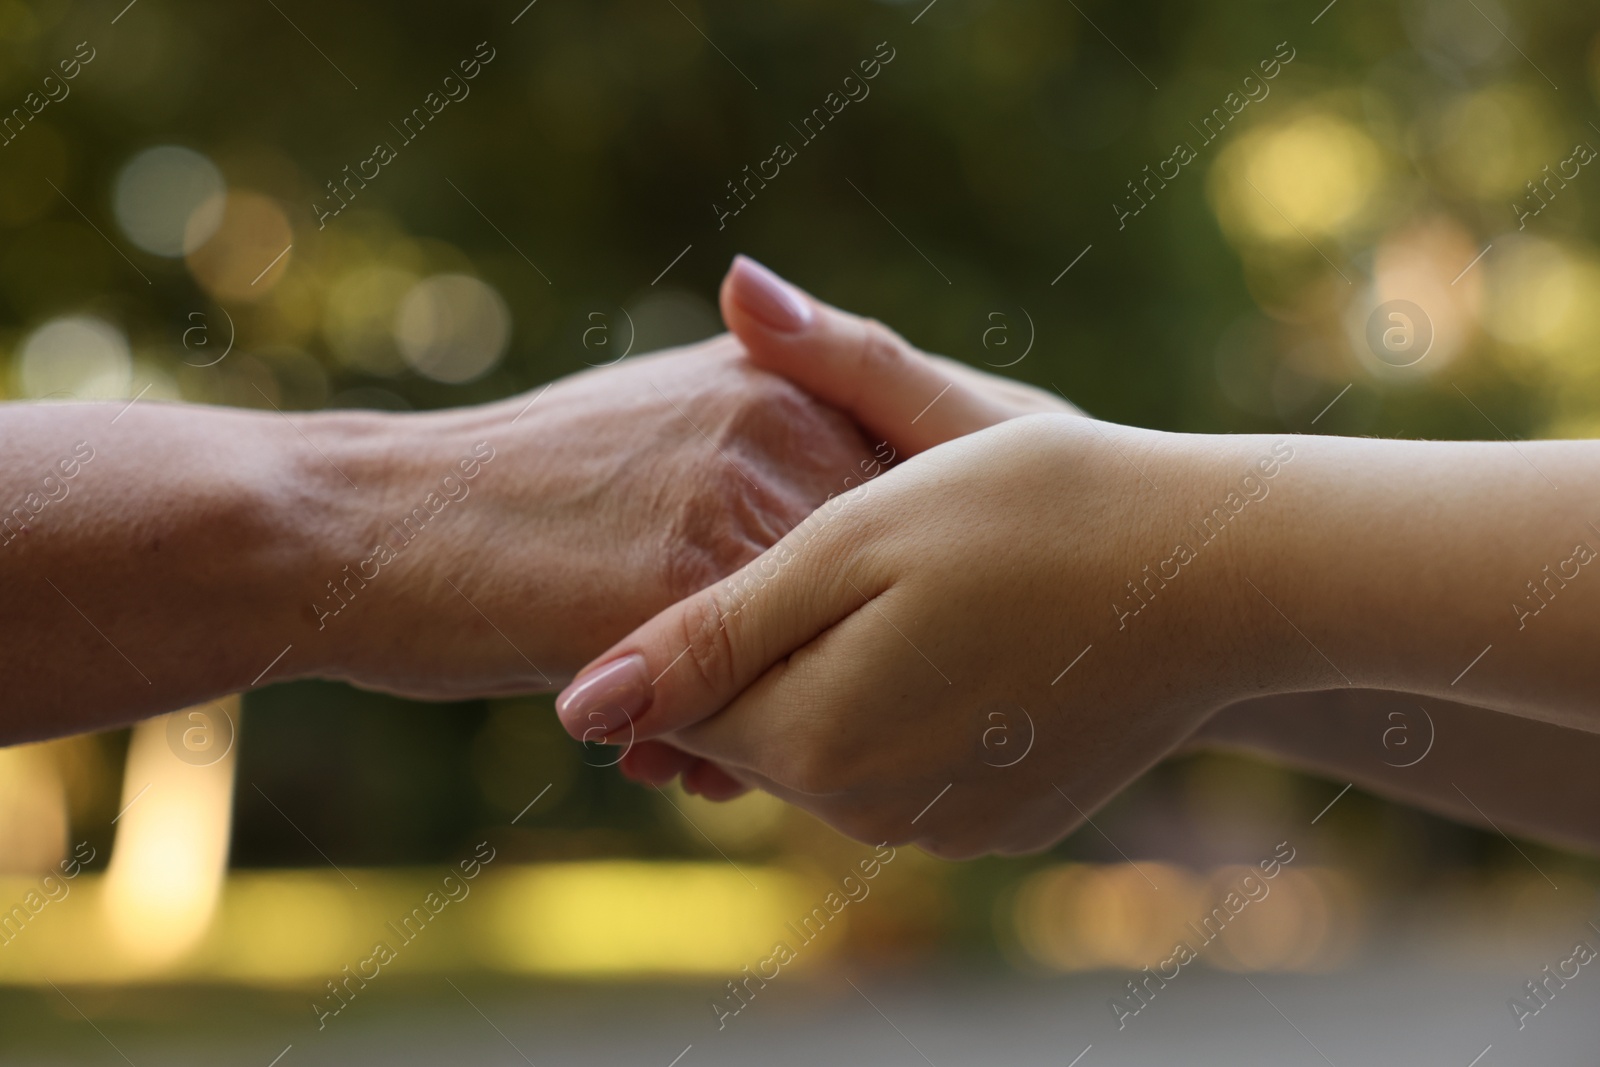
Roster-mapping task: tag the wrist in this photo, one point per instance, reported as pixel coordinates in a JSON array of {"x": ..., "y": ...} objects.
[
  {"x": 320, "y": 501},
  {"x": 1231, "y": 521},
  {"x": 411, "y": 581},
  {"x": 1186, "y": 521},
  {"x": 1357, "y": 567},
  {"x": 373, "y": 486}
]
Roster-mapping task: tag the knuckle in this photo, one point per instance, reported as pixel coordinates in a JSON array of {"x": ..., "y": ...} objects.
[
  {"x": 708, "y": 641},
  {"x": 763, "y": 412},
  {"x": 714, "y": 530},
  {"x": 689, "y": 566},
  {"x": 881, "y": 347}
]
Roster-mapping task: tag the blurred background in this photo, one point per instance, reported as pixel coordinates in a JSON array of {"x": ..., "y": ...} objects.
[{"x": 1393, "y": 235}]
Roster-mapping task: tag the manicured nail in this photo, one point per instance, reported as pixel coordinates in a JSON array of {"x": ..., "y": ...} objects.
[
  {"x": 606, "y": 700},
  {"x": 777, "y": 304}
]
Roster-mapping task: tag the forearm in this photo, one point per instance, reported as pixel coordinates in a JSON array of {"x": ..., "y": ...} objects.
[
  {"x": 152, "y": 558},
  {"x": 472, "y": 552},
  {"x": 1484, "y": 767},
  {"x": 1452, "y": 570}
]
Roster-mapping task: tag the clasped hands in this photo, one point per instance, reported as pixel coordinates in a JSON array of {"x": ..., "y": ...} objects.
[
  {"x": 910, "y": 640},
  {"x": 1011, "y": 611},
  {"x": 925, "y": 603}
]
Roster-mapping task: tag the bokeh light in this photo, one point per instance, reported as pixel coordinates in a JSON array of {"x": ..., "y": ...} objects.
[
  {"x": 1424, "y": 264},
  {"x": 452, "y": 328},
  {"x": 169, "y": 200},
  {"x": 1294, "y": 927},
  {"x": 78, "y": 357},
  {"x": 1079, "y": 917},
  {"x": 171, "y": 852},
  {"x": 1451, "y": 42},
  {"x": 1311, "y": 177},
  {"x": 1490, "y": 143},
  {"x": 1085, "y": 916},
  {"x": 359, "y": 316},
  {"x": 249, "y": 251},
  {"x": 591, "y": 918},
  {"x": 1534, "y": 293}
]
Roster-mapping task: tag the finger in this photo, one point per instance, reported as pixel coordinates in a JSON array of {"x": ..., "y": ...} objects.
[
  {"x": 655, "y": 762},
  {"x": 712, "y": 782},
  {"x": 871, "y": 819},
  {"x": 802, "y": 725},
  {"x": 689, "y": 661},
  {"x": 857, "y": 365},
  {"x": 1019, "y": 398}
]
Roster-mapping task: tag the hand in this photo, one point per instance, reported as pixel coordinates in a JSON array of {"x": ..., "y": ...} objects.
[
  {"x": 854, "y": 670},
  {"x": 906, "y": 399},
  {"x": 607, "y": 497},
  {"x": 985, "y": 558},
  {"x": 896, "y": 392}
]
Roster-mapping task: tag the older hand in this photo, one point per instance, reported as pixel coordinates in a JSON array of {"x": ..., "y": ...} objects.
[
  {"x": 458, "y": 553},
  {"x": 593, "y": 504}
]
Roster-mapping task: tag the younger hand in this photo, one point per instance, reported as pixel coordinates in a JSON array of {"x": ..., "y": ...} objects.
[{"x": 858, "y": 668}]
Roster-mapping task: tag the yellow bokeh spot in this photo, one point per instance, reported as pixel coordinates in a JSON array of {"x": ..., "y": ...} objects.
[
  {"x": 1314, "y": 176},
  {"x": 632, "y": 918},
  {"x": 1542, "y": 295},
  {"x": 358, "y": 318},
  {"x": 285, "y": 925},
  {"x": 1544, "y": 306}
]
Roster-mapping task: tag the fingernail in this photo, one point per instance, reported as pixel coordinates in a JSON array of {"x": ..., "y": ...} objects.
[
  {"x": 777, "y": 304},
  {"x": 606, "y": 700}
]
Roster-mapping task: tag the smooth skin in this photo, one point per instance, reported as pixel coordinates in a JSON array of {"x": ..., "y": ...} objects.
[
  {"x": 201, "y": 551},
  {"x": 854, "y": 668},
  {"x": 1501, "y": 772}
]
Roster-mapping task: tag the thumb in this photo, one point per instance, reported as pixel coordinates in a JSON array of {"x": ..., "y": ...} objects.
[
  {"x": 857, "y": 365},
  {"x": 695, "y": 657}
]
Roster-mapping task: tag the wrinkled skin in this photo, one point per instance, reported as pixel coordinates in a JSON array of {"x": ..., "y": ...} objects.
[{"x": 618, "y": 492}]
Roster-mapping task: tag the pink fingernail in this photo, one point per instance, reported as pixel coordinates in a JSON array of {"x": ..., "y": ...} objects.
[
  {"x": 606, "y": 700},
  {"x": 777, "y": 304}
]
